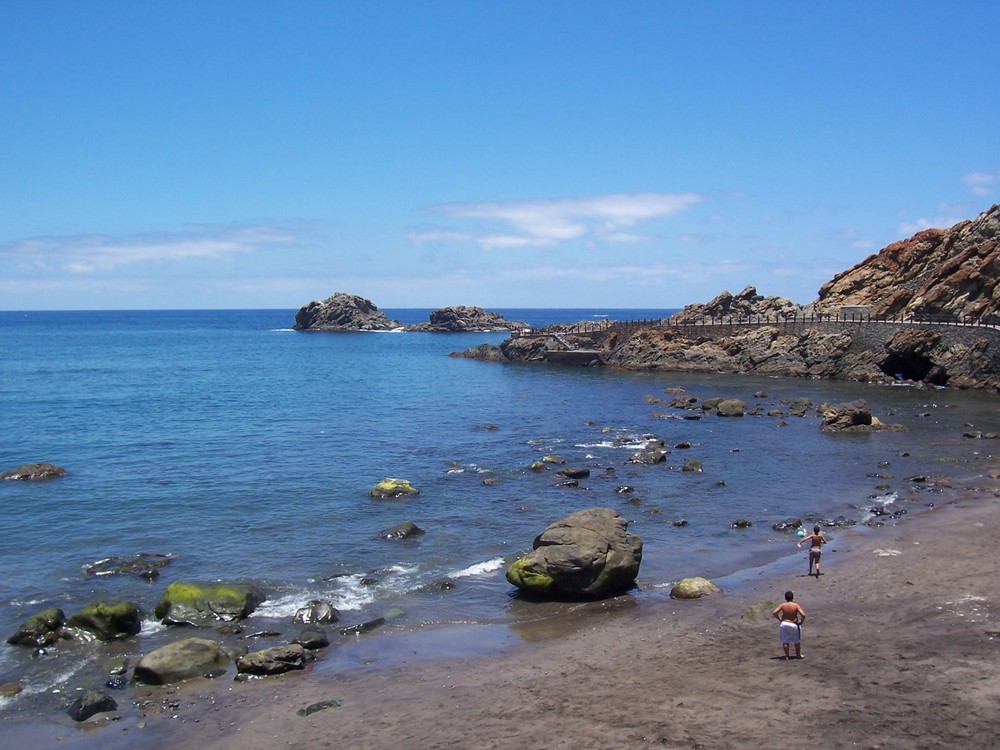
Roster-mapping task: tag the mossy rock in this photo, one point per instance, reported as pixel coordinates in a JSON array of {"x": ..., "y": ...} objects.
[
  {"x": 187, "y": 603},
  {"x": 538, "y": 466},
  {"x": 108, "y": 620},
  {"x": 523, "y": 574},
  {"x": 391, "y": 488},
  {"x": 694, "y": 588},
  {"x": 552, "y": 459},
  {"x": 39, "y": 630}
]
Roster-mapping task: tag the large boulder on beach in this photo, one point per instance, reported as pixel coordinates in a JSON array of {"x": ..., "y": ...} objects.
[
  {"x": 181, "y": 660},
  {"x": 34, "y": 472},
  {"x": 343, "y": 312},
  {"x": 589, "y": 554},
  {"x": 39, "y": 630},
  {"x": 108, "y": 620},
  {"x": 274, "y": 660},
  {"x": 187, "y": 603},
  {"x": 460, "y": 318}
]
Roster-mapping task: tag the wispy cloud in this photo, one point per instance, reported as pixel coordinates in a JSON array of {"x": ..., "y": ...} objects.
[
  {"x": 92, "y": 253},
  {"x": 981, "y": 183},
  {"x": 513, "y": 224}
]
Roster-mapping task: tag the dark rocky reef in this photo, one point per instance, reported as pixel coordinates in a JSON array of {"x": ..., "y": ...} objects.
[
  {"x": 343, "y": 312},
  {"x": 348, "y": 312},
  {"x": 461, "y": 318}
]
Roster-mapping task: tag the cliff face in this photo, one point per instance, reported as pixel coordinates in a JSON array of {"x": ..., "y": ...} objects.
[{"x": 938, "y": 272}]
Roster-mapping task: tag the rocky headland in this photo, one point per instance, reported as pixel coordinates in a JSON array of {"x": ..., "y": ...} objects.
[
  {"x": 349, "y": 312},
  {"x": 921, "y": 310}
]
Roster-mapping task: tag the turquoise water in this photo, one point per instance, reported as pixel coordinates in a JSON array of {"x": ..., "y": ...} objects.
[{"x": 246, "y": 451}]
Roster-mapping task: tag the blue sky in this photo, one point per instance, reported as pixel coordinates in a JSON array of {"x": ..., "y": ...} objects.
[{"x": 503, "y": 154}]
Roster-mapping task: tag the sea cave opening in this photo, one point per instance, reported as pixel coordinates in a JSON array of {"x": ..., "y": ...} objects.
[{"x": 912, "y": 366}]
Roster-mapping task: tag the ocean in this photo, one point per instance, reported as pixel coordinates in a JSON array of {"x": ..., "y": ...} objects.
[{"x": 245, "y": 451}]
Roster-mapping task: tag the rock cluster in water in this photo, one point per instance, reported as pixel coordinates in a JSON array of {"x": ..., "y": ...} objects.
[{"x": 349, "y": 312}]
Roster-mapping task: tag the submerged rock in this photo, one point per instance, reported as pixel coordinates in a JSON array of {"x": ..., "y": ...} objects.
[
  {"x": 391, "y": 488},
  {"x": 34, "y": 472},
  {"x": 589, "y": 554},
  {"x": 143, "y": 564},
  {"x": 405, "y": 530}
]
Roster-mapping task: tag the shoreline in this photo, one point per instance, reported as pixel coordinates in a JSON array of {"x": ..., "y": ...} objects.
[{"x": 899, "y": 653}]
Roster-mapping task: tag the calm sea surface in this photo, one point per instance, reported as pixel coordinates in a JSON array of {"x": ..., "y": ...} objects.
[{"x": 246, "y": 451}]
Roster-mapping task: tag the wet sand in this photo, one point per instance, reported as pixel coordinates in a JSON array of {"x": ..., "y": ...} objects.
[{"x": 901, "y": 646}]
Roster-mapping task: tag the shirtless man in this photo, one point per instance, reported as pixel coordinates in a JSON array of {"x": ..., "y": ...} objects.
[
  {"x": 816, "y": 541},
  {"x": 791, "y": 616}
]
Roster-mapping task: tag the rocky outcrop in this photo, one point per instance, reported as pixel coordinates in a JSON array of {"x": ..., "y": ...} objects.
[
  {"x": 34, "y": 472},
  {"x": 343, "y": 312},
  {"x": 589, "y": 554},
  {"x": 952, "y": 273},
  {"x": 746, "y": 304},
  {"x": 461, "y": 318}
]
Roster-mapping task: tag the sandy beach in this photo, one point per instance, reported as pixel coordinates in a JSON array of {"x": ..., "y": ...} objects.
[{"x": 901, "y": 647}]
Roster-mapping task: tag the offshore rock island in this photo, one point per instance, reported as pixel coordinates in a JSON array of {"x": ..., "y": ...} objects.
[
  {"x": 923, "y": 310},
  {"x": 349, "y": 312}
]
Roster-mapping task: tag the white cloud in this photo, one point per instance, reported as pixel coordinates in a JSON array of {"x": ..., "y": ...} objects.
[
  {"x": 509, "y": 224},
  {"x": 981, "y": 183},
  {"x": 91, "y": 253}
]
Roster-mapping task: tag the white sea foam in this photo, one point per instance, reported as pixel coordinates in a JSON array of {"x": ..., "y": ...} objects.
[
  {"x": 151, "y": 626},
  {"x": 478, "y": 569}
]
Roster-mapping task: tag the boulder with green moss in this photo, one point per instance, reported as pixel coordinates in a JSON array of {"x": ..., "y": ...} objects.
[
  {"x": 694, "y": 588},
  {"x": 108, "y": 620},
  {"x": 187, "y": 603},
  {"x": 39, "y": 630},
  {"x": 589, "y": 554},
  {"x": 391, "y": 487}
]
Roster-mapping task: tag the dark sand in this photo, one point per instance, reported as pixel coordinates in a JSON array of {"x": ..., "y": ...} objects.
[{"x": 901, "y": 651}]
